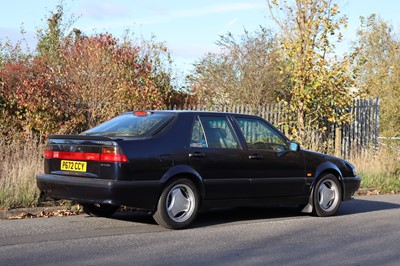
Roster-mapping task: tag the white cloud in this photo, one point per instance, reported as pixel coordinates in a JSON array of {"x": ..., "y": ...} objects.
[
  {"x": 194, "y": 50},
  {"x": 102, "y": 10},
  {"x": 198, "y": 12},
  {"x": 168, "y": 15},
  {"x": 232, "y": 22},
  {"x": 27, "y": 40}
]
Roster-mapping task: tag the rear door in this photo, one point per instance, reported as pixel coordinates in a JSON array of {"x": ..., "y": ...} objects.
[
  {"x": 274, "y": 170},
  {"x": 215, "y": 153}
]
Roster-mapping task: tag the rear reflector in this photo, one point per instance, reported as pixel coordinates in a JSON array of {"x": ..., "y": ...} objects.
[{"x": 108, "y": 154}]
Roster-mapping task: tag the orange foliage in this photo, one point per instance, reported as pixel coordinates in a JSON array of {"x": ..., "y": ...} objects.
[{"x": 95, "y": 79}]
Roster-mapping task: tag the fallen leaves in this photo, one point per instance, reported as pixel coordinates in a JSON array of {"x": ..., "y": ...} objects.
[
  {"x": 45, "y": 214},
  {"x": 368, "y": 192}
]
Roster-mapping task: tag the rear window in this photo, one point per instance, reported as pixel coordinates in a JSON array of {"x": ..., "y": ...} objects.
[{"x": 131, "y": 125}]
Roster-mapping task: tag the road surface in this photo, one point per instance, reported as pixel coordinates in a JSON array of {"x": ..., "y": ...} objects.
[{"x": 366, "y": 231}]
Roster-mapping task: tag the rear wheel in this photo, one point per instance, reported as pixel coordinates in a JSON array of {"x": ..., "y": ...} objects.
[
  {"x": 178, "y": 205},
  {"x": 327, "y": 196},
  {"x": 99, "y": 210}
]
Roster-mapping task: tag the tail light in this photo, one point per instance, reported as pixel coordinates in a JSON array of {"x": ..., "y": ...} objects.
[
  {"x": 112, "y": 154},
  {"x": 107, "y": 154}
]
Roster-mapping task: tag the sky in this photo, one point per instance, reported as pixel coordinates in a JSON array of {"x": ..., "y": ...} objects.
[{"x": 189, "y": 28}]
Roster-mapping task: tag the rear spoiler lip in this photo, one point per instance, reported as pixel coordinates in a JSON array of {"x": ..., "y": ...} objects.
[{"x": 80, "y": 137}]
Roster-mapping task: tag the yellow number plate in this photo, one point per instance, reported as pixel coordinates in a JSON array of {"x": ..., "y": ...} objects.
[{"x": 73, "y": 166}]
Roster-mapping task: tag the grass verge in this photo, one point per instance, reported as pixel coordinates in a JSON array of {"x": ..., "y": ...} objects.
[
  {"x": 21, "y": 161},
  {"x": 380, "y": 170}
]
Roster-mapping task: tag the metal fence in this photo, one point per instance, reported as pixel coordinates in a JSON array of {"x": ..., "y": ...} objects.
[
  {"x": 360, "y": 134},
  {"x": 363, "y": 131}
]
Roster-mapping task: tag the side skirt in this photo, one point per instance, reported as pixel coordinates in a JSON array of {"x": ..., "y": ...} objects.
[{"x": 223, "y": 203}]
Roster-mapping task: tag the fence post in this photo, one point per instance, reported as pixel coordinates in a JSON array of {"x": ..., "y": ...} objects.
[{"x": 338, "y": 141}]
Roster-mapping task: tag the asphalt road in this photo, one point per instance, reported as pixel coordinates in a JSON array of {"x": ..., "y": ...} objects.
[{"x": 366, "y": 231}]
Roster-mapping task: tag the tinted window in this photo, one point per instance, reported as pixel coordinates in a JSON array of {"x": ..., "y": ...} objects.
[
  {"x": 198, "y": 138},
  {"x": 259, "y": 135},
  {"x": 213, "y": 132},
  {"x": 130, "y": 125}
]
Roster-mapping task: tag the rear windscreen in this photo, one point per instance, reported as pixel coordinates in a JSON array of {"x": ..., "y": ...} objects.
[{"x": 131, "y": 125}]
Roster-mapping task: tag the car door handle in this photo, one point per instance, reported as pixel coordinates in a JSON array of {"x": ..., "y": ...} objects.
[
  {"x": 197, "y": 155},
  {"x": 256, "y": 157}
]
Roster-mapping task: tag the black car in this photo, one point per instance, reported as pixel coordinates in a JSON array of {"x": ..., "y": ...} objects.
[{"x": 172, "y": 163}]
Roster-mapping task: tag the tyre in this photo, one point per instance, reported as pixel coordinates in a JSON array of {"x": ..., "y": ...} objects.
[
  {"x": 178, "y": 204},
  {"x": 99, "y": 210},
  {"x": 327, "y": 196}
]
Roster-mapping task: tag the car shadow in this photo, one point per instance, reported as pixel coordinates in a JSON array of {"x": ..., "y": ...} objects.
[
  {"x": 351, "y": 207},
  {"x": 137, "y": 216},
  {"x": 242, "y": 214},
  {"x": 357, "y": 206},
  {"x": 218, "y": 216}
]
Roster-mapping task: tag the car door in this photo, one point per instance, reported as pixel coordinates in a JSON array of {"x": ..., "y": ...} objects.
[
  {"x": 274, "y": 170},
  {"x": 216, "y": 154}
]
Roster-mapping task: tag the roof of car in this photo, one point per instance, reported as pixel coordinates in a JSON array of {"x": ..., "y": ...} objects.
[{"x": 198, "y": 112}]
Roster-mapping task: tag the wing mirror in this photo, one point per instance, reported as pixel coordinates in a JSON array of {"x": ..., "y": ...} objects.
[{"x": 294, "y": 146}]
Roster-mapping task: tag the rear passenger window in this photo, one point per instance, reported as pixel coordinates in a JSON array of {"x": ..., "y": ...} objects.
[
  {"x": 198, "y": 138},
  {"x": 213, "y": 132}
]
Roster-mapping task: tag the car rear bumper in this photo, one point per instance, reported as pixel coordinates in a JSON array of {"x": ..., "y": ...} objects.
[
  {"x": 138, "y": 194},
  {"x": 351, "y": 185}
]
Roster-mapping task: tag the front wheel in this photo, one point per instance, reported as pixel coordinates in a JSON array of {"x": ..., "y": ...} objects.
[
  {"x": 327, "y": 196},
  {"x": 99, "y": 210},
  {"x": 178, "y": 205}
]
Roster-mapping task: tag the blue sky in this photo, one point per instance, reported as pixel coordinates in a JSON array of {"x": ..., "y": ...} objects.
[{"x": 189, "y": 28}]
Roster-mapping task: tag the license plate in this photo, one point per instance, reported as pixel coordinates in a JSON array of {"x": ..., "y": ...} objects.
[{"x": 73, "y": 166}]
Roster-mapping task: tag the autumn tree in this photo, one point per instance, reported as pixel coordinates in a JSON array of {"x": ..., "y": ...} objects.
[
  {"x": 244, "y": 72},
  {"x": 27, "y": 100},
  {"x": 74, "y": 81},
  {"x": 378, "y": 69},
  {"x": 50, "y": 37},
  {"x": 318, "y": 82},
  {"x": 106, "y": 77},
  {"x": 30, "y": 99}
]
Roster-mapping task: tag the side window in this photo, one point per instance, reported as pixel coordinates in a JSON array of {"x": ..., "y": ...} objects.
[
  {"x": 198, "y": 139},
  {"x": 213, "y": 132},
  {"x": 259, "y": 135}
]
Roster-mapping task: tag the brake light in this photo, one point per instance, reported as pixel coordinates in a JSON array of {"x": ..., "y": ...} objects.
[
  {"x": 141, "y": 113},
  {"x": 48, "y": 154},
  {"x": 107, "y": 154},
  {"x": 112, "y": 154}
]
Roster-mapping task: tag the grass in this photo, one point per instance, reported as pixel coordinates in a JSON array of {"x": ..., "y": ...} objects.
[
  {"x": 380, "y": 170},
  {"x": 20, "y": 162}
]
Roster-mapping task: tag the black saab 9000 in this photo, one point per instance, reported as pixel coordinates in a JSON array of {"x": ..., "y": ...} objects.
[{"x": 172, "y": 163}]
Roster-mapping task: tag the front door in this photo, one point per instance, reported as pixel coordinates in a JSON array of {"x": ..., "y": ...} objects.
[{"x": 274, "y": 170}]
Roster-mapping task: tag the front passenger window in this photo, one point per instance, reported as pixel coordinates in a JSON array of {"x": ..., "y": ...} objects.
[{"x": 259, "y": 135}]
